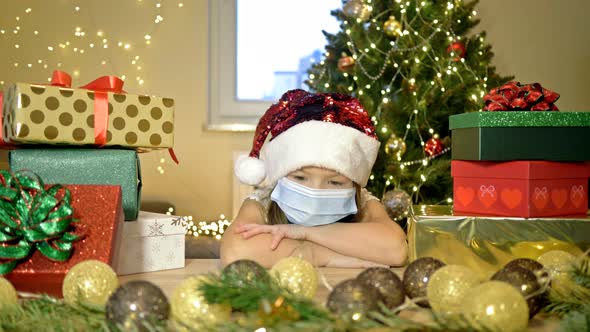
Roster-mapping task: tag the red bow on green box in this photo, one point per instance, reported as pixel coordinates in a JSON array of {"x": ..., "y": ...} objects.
[
  {"x": 33, "y": 218},
  {"x": 513, "y": 96}
]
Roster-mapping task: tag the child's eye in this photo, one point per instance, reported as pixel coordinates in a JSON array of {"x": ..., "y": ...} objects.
[
  {"x": 335, "y": 183},
  {"x": 298, "y": 177}
]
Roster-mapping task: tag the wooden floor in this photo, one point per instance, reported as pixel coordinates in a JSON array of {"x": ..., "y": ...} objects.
[{"x": 167, "y": 280}]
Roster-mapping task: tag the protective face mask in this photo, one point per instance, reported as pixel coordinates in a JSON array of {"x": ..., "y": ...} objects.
[{"x": 313, "y": 207}]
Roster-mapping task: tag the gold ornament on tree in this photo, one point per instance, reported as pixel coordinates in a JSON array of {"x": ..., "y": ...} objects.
[
  {"x": 346, "y": 63},
  {"x": 297, "y": 275},
  {"x": 497, "y": 306},
  {"x": 395, "y": 146},
  {"x": 7, "y": 293},
  {"x": 189, "y": 307},
  {"x": 90, "y": 282},
  {"x": 357, "y": 9},
  {"x": 447, "y": 288},
  {"x": 392, "y": 27}
]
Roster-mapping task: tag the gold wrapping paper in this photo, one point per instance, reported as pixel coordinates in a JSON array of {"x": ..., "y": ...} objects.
[
  {"x": 486, "y": 244},
  {"x": 39, "y": 114}
]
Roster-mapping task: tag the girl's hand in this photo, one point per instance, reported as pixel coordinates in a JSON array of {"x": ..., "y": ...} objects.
[{"x": 295, "y": 232}]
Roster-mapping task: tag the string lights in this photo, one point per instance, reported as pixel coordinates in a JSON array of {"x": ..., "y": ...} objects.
[
  {"x": 86, "y": 41},
  {"x": 213, "y": 229},
  {"x": 95, "y": 42},
  {"x": 417, "y": 60}
]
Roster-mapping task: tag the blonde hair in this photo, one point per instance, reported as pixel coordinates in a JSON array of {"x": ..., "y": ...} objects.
[{"x": 276, "y": 216}]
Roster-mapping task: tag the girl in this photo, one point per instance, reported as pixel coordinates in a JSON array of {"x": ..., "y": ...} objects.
[{"x": 317, "y": 162}]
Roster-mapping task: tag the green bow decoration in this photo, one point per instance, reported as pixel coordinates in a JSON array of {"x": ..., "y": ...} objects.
[{"x": 32, "y": 217}]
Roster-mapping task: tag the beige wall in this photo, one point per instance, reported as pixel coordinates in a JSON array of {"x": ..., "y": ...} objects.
[
  {"x": 537, "y": 40},
  {"x": 543, "y": 41}
]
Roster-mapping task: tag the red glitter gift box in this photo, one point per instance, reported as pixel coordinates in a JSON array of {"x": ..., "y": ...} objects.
[
  {"x": 100, "y": 213},
  {"x": 520, "y": 188}
]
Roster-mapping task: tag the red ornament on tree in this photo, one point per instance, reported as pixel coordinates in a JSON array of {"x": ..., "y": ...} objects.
[
  {"x": 459, "y": 49},
  {"x": 433, "y": 147}
]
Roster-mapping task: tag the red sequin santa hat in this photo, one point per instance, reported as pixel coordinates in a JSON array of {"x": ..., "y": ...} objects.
[{"x": 327, "y": 130}]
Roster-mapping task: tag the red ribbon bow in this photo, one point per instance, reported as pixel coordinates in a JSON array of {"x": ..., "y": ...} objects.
[
  {"x": 101, "y": 86},
  {"x": 513, "y": 96}
]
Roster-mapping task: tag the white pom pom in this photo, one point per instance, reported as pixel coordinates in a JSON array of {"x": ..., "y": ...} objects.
[{"x": 250, "y": 170}]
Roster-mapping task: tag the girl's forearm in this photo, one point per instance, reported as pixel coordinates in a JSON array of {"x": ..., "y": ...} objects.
[
  {"x": 258, "y": 248},
  {"x": 370, "y": 241}
]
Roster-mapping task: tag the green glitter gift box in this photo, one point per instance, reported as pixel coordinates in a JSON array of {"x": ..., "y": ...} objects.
[
  {"x": 86, "y": 166},
  {"x": 521, "y": 135}
]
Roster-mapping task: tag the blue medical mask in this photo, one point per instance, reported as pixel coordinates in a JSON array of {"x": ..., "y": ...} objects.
[{"x": 313, "y": 207}]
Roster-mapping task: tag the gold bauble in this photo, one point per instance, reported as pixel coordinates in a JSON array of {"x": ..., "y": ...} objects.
[
  {"x": 7, "y": 293},
  {"x": 357, "y": 9},
  {"x": 395, "y": 146},
  {"x": 189, "y": 307},
  {"x": 297, "y": 275},
  {"x": 556, "y": 261},
  {"x": 497, "y": 306},
  {"x": 90, "y": 282},
  {"x": 447, "y": 288},
  {"x": 392, "y": 27}
]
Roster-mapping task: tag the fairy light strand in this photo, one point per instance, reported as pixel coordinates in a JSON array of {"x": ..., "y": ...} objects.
[
  {"x": 213, "y": 229},
  {"x": 85, "y": 40},
  {"x": 441, "y": 67}
]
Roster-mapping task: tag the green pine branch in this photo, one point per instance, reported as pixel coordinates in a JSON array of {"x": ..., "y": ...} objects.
[
  {"x": 374, "y": 77},
  {"x": 571, "y": 300},
  {"x": 50, "y": 315},
  {"x": 247, "y": 295}
]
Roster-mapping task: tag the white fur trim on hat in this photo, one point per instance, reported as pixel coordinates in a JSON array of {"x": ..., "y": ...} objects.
[
  {"x": 250, "y": 170},
  {"x": 343, "y": 149}
]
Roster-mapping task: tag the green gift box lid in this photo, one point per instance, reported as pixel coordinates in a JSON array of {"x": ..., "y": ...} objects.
[
  {"x": 519, "y": 119},
  {"x": 520, "y": 135},
  {"x": 86, "y": 166}
]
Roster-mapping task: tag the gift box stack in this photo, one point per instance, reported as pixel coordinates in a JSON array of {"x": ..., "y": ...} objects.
[
  {"x": 87, "y": 139},
  {"x": 520, "y": 172}
]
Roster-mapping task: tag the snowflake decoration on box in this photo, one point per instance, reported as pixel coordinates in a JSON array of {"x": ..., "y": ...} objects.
[{"x": 156, "y": 229}]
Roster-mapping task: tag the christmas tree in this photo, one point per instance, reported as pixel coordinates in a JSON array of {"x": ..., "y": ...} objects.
[{"x": 412, "y": 64}]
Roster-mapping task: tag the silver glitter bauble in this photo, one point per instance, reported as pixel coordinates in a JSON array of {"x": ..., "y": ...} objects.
[
  {"x": 135, "y": 304},
  {"x": 397, "y": 203}
]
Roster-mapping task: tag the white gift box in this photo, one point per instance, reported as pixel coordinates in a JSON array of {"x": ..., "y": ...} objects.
[{"x": 153, "y": 242}]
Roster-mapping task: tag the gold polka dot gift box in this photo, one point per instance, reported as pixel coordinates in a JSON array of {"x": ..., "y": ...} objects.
[{"x": 99, "y": 113}]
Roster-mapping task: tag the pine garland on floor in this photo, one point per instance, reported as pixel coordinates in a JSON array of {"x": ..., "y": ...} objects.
[
  {"x": 50, "y": 315},
  {"x": 294, "y": 314}
]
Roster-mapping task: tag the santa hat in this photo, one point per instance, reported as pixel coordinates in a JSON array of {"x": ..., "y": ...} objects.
[{"x": 326, "y": 130}]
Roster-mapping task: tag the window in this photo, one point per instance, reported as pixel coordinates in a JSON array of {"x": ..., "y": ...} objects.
[{"x": 258, "y": 50}]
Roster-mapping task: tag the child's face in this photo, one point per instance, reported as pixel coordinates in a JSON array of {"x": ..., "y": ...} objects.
[{"x": 320, "y": 178}]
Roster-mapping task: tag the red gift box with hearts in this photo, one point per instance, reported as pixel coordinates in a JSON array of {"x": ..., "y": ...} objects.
[{"x": 520, "y": 188}]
